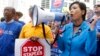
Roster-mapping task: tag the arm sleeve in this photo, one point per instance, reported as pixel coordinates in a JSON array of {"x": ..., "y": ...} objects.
[
  {"x": 91, "y": 43},
  {"x": 22, "y": 33},
  {"x": 60, "y": 40},
  {"x": 20, "y": 28},
  {"x": 60, "y": 43},
  {"x": 49, "y": 34}
]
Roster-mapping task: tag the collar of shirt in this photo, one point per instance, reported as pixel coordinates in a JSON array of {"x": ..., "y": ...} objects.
[
  {"x": 9, "y": 21},
  {"x": 81, "y": 28}
]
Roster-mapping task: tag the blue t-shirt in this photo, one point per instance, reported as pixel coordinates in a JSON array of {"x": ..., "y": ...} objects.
[
  {"x": 98, "y": 26},
  {"x": 21, "y": 22},
  {"x": 8, "y": 33}
]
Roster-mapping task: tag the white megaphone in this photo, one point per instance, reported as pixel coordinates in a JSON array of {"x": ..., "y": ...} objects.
[{"x": 39, "y": 16}]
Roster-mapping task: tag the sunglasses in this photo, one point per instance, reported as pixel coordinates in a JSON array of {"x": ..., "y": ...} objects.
[{"x": 97, "y": 6}]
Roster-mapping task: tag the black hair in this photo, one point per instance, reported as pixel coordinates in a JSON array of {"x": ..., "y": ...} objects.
[
  {"x": 13, "y": 9},
  {"x": 2, "y": 19},
  {"x": 82, "y": 6}
]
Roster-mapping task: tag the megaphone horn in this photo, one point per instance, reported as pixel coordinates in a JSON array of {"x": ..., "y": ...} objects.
[{"x": 40, "y": 16}]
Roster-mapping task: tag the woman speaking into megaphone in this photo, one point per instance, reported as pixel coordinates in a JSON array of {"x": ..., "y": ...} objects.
[{"x": 79, "y": 39}]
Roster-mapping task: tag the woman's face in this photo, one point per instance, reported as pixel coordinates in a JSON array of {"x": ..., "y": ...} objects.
[{"x": 76, "y": 12}]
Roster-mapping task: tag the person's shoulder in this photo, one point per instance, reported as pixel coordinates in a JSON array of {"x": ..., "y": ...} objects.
[
  {"x": 27, "y": 25},
  {"x": 2, "y": 23},
  {"x": 46, "y": 26},
  {"x": 68, "y": 25},
  {"x": 21, "y": 22},
  {"x": 85, "y": 25},
  {"x": 17, "y": 23}
]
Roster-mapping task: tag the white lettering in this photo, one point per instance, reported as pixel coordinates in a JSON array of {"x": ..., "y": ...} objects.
[
  {"x": 32, "y": 51},
  {"x": 40, "y": 48},
  {"x": 35, "y": 48},
  {"x": 25, "y": 49},
  {"x": 8, "y": 32}
]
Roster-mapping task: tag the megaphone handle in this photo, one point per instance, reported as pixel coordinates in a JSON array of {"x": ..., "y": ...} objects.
[
  {"x": 43, "y": 28},
  {"x": 56, "y": 37},
  {"x": 45, "y": 36}
]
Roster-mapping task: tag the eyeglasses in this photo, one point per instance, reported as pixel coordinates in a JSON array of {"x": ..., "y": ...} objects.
[{"x": 97, "y": 6}]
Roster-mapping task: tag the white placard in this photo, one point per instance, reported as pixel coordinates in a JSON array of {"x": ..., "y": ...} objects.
[{"x": 24, "y": 47}]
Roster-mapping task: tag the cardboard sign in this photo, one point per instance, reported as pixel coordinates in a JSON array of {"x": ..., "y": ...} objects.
[
  {"x": 56, "y": 5},
  {"x": 26, "y": 47}
]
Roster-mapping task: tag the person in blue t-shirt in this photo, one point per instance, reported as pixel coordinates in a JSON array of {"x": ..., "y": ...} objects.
[
  {"x": 9, "y": 31},
  {"x": 97, "y": 26}
]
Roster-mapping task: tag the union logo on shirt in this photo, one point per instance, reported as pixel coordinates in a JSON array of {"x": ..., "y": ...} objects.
[{"x": 1, "y": 31}]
